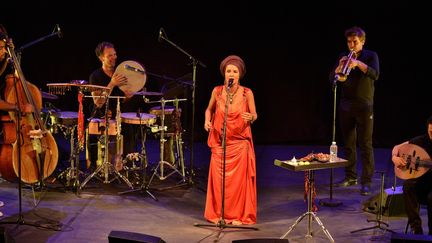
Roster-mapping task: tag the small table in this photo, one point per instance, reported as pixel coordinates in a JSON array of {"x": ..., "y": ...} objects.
[{"x": 310, "y": 168}]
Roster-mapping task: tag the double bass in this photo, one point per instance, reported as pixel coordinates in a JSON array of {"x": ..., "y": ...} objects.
[{"x": 34, "y": 153}]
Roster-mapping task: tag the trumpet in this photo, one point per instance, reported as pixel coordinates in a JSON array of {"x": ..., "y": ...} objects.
[{"x": 346, "y": 69}]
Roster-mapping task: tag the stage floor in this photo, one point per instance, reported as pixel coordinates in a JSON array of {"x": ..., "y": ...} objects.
[{"x": 98, "y": 209}]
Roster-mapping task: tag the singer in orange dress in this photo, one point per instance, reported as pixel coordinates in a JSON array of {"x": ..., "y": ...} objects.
[{"x": 240, "y": 205}]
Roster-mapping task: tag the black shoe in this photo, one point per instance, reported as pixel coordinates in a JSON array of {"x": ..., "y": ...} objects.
[
  {"x": 417, "y": 230},
  {"x": 347, "y": 182},
  {"x": 365, "y": 190}
]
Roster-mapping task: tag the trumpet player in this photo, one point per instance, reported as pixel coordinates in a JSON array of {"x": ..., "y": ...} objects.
[{"x": 355, "y": 72}]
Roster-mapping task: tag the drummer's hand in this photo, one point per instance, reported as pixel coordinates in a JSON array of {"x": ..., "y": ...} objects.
[
  {"x": 207, "y": 125},
  {"x": 118, "y": 80},
  {"x": 128, "y": 94}
]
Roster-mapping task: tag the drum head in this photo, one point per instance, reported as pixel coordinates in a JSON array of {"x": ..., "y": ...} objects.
[
  {"x": 134, "y": 118},
  {"x": 136, "y": 76}
]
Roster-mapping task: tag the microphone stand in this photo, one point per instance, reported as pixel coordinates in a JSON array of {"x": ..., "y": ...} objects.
[
  {"x": 222, "y": 224},
  {"x": 57, "y": 32},
  {"x": 330, "y": 202},
  {"x": 195, "y": 62},
  {"x": 20, "y": 220}
]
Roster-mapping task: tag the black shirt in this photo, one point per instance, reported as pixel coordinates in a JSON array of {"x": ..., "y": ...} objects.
[{"x": 423, "y": 141}]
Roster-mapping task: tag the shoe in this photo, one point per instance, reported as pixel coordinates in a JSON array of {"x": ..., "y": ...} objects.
[
  {"x": 365, "y": 190},
  {"x": 1, "y": 214},
  {"x": 236, "y": 222},
  {"x": 1, "y": 204},
  {"x": 417, "y": 230},
  {"x": 347, "y": 182}
]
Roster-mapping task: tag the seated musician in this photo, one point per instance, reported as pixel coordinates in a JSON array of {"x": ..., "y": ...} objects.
[
  {"x": 106, "y": 76},
  {"x": 417, "y": 190}
]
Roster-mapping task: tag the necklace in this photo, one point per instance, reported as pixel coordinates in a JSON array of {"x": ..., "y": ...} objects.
[{"x": 231, "y": 96}]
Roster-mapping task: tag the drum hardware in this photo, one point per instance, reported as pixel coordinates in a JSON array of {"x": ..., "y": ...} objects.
[
  {"x": 107, "y": 167},
  {"x": 143, "y": 119},
  {"x": 48, "y": 96},
  {"x": 162, "y": 163},
  {"x": 72, "y": 172},
  {"x": 67, "y": 121},
  {"x": 148, "y": 93}
]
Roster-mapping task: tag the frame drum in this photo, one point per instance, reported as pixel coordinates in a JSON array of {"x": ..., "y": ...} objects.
[{"x": 136, "y": 76}]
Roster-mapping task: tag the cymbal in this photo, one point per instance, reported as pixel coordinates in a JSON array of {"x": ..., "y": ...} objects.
[
  {"x": 148, "y": 93},
  {"x": 49, "y": 96}
]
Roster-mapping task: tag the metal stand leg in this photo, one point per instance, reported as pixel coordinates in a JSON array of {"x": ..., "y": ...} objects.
[
  {"x": 162, "y": 163},
  {"x": 309, "y": 213},
  {"x": 378, "y": 219},
  {"x": 72, "y": 172},
  {"x": 107, "y": 167},
  {"x": 144, "y": 162}
]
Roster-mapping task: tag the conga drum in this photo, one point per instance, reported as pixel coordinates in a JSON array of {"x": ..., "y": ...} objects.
[
  {"x": 97, "y": 127},
  {"x": 94, "y": 141}
]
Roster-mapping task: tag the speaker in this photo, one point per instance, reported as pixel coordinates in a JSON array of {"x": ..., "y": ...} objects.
[
  {"x": 261, "y": 241},
  {"x": 5, "y": 237},
  {"x": 130, "y": 237},
  {"x": 392, "y": 203},
  {"x": 402, "y": 238}
]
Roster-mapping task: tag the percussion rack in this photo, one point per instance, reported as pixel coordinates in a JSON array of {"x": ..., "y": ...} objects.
[
  {"x": 106, "y": 167},
  {"x": 161, "y": 164}
]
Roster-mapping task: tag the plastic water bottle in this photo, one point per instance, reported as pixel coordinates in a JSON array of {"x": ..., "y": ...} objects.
[{"x": 333, "y": 152}]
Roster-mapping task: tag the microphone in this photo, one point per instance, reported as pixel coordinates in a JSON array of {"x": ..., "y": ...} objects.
[
  {"x": 59, "y": 33},
  {"x": 161, "y": 31},
  {"x": 230, "y": 82},
  {"x": 134, "y": 69}
]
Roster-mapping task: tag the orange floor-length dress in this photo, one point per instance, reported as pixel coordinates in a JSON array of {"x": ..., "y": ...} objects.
[{"x": 240, "y": 172}]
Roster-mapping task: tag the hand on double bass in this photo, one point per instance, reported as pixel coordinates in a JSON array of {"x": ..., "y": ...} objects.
[{"x": 26, "y": 108}]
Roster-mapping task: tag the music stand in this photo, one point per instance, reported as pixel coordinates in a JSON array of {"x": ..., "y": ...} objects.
[
  {"x": 195, "y": 62},
  {"x": 222, "y": 224}
]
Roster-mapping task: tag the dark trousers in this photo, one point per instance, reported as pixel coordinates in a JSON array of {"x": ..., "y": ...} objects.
[
  {"x": 357, "y": 127},
  {"x": 416, "y": 191}
]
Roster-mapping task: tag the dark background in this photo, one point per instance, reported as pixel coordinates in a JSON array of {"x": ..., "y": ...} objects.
[{"x": 289, "y": 53}]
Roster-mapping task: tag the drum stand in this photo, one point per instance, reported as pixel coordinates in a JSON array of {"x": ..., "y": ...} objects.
[
  {"x": 106, "y": 167},
  {"x": 144, "y": 162},
  {"x": 73, "y": 172},
  {"x": 162, "y": 163}
]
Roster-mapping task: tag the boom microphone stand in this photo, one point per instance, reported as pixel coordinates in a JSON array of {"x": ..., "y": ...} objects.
[
  {"x": 222, "y": 224},
  {"x": 163, "y": 36}
]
